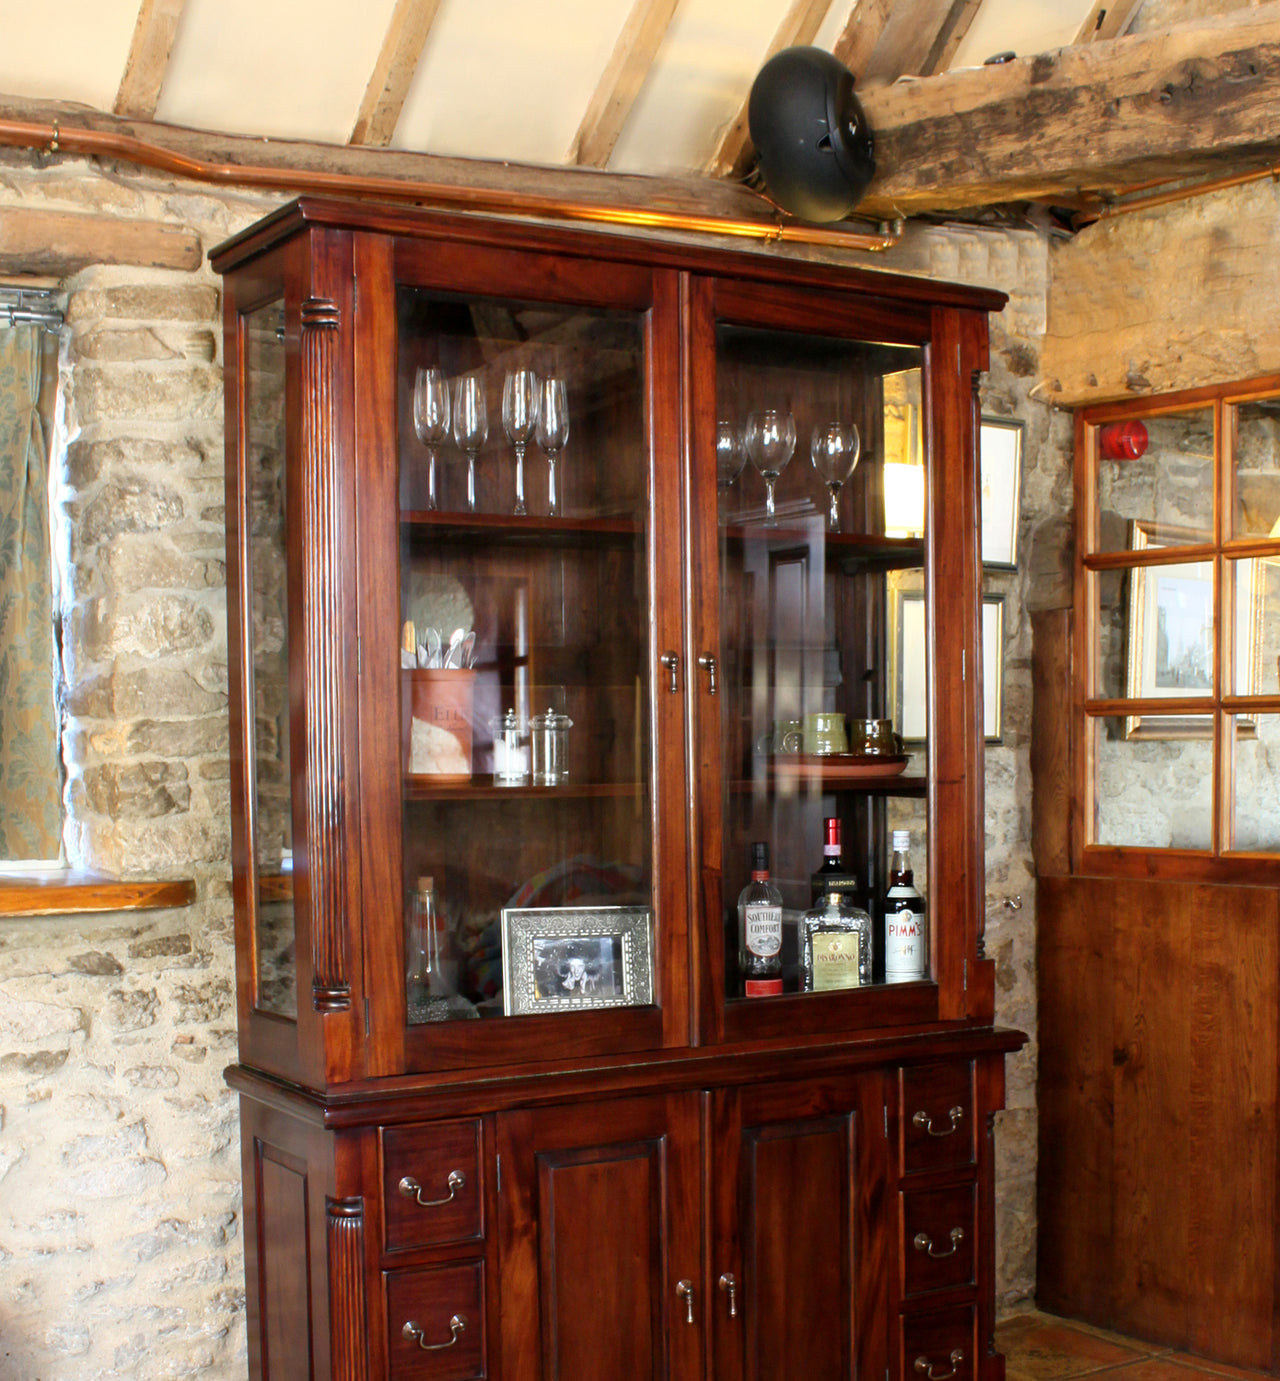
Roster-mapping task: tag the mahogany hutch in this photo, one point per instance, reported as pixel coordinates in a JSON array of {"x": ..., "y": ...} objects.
[{"x": 543, "y": 1133}]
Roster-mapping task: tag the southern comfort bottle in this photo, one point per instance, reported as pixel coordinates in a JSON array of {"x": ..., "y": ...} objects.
[{"x": 760, "y": 929}]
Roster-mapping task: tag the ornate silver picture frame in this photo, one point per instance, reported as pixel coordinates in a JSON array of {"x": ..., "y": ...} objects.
[{"x": 573, "y": 959}]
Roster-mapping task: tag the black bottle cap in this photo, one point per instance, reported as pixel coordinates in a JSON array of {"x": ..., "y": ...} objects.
[{"x": 760, "y": 857}]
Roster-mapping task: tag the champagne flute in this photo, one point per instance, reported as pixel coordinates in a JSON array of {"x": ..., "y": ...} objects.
[
  {"x": 730, "y": 457},
  {"x": 431, "y": 420},
  {"x": 470, "y": 427},
  {"x": 553, "y": 430},
  {"x": 521, "y": 404},
  {"x": 771, "y": 439},
  {"x": 834, "y": 449}
]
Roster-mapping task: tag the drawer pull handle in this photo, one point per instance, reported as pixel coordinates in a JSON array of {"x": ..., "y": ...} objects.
[
  {"x": 922, "y": 1242},
  {"x": 457, "y": 1326},
  {"x": 411, "y": 1189},
  {"x": 671, "y": 660},
  {"x": 708, "y": 663},
  {"x": 684, "y": 1288},
  {"x": 730, "y": 1287},
  {"x": 925, "y": 1367},
  {"x": 954, "y": 1117}
]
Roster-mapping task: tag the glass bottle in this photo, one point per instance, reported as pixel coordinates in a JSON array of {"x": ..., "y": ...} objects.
[
  {"x": 760, "y": 929},
  {"x": 430, "y": 971},
  {"x": 830, "y": 875},
  {"x": 906, "y": 950},
  {"x": 835, "y": 945}
]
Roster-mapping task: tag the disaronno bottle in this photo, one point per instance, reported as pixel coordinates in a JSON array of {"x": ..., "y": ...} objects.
[
  {"x": 760, "y": 930},
  {"x": 835, "y": 945},
  {"x": 905, "y": 937}
]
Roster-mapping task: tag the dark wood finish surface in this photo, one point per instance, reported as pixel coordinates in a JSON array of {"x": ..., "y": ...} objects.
[
  {"x": 933, "y": 1257},
  {"x": 946, "y": 1340},
  {"x": 434, "y": 1157},
  {"x": 428, "y": 1303},
  {"x": 937, "y": 1124},
  {"x": 1158, "y": 1137},
  {"x": 67, "y": 891}
]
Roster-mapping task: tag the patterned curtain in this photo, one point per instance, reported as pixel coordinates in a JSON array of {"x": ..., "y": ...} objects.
[{"x": 30, "y": 777}]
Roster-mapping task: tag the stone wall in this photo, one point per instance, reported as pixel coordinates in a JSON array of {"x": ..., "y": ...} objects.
[{"x": 119, "y": 1161}]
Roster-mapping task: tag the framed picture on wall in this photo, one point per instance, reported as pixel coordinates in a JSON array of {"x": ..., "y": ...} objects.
[
  {"x": 907, "y": 706},
  {"x": 1000, "y": 456}
]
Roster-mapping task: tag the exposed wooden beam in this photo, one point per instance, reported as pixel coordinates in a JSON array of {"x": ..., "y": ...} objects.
[
  {"x": 950, "y": 35},
  {"x": 803, "y": 20},
  {"x": 621, "y": 81},
  {"x": 63, "y": 242},
  {"x": 1186, "y": 102},
  {"x": 861, "y": 33},
  {"x": 384, "y": 97},
  {"x": 1108, "y": 19},
  {"x": 148, "y": 59},
  {"x": 919, "y": 39}
]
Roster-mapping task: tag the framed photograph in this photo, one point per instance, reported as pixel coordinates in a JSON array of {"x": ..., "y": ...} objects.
[
  {"x": 1000, "y": 458},
  {"x": 1169, "y": 636},
  {"x": 573, "y": 959},
  {"x": 907, "y": 662}
]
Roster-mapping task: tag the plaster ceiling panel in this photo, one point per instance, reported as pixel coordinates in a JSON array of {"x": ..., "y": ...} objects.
[
  {"x": 74, "y": 52},
  {"x": 292, "y": 69},
  {"x": 1021, "y": 26},
  {"x": 508, "y": 79},
  {"x": 702, "y": 75}
]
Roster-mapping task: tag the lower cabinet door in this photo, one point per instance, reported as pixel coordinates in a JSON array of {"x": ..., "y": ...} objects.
[
  {"x": 800, "y": 1256},
  {"x": 600, "y": 1241}
]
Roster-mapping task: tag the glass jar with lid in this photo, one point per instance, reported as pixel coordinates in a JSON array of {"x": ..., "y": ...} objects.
[{"x": 550, "y": 742}]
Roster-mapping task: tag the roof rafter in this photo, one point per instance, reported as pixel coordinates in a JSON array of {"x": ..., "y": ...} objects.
[
  {"x": 148, "y": 60},
  {"x": 1108, "y": 19},
  {"x": 393, "y": 73},
  {"x": 733, "y": 154},
  {"x": 621, "y": 82},
  {"x": 919, "y": 39},
  {"x": 861, "y": 33}
]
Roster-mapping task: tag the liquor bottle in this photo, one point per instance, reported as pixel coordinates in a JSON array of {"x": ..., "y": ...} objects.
[
  {"x": 831, "y": 875},
  {"x": 835, "y": 944},
  {"x": 905, "y": 937},
  {"x": 760, "y": 929}
]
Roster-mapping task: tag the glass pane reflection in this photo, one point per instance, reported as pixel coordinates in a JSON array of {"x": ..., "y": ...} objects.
[
  {"x": 1256, "y": 453},
  {"x": 1154, "y": 791},
  {"x": 1168, "y": 490},
  {"x": 1256, "y": 822}
]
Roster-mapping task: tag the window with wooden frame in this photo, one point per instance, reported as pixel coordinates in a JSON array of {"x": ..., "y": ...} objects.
[{"x": 1177, "y": 672}]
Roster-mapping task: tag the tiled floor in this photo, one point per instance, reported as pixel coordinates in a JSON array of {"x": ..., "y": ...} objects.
[{"x": 1040, "y": 1347}]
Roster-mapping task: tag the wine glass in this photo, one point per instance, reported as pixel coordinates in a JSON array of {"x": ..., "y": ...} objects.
[
  {"x": 729, "y": 454},
  {"x": 834, "y": 449},
  {"x": 521, "y": 404},
  {"x": 431, "y": 420},
  {"x": 470, "y": 427},
  {"x": 770, "y": 440},
  {"x": 553, "y": 430}
]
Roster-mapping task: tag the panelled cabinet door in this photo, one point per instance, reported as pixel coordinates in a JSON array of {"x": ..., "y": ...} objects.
[
  {"x": 600, "y": 1244},
  {"x": 798, "y": 1259}
]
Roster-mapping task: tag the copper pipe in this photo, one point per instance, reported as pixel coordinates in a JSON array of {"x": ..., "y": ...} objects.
[
  {"x": 57, "y": 138},
  {"x": 1195, "y": 189}
]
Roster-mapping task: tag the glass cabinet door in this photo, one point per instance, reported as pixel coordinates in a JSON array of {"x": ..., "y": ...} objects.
[
  {"x": 824, "y": 640},
  {"x": 526, "y": 701}
]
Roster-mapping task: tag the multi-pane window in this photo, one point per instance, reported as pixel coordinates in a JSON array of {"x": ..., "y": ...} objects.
[{"x": 1178, "y": 631}]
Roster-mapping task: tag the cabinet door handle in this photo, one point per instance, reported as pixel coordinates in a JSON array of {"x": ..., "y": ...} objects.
[
  {"x": 684, "y": 1289},
  {"x": 925, "y": 1367},
  {"x": 708, "y": 663},
  {"x": 922, "y": 1242},
  {"x": 411, "y": 1189},
  {"x": 671, "y": 660},
  {"x": 730, "y": 1287},
  {"x": 954, "y": 1117},
  {"x": 457, "y": 1326}
]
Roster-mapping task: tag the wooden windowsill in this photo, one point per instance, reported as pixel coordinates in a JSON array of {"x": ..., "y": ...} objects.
[{"x": 67, "y": 891}]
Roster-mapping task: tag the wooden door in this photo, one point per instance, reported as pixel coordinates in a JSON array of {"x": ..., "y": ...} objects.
[
  {"x": 799, "y": 1260},
  {"x": 600, "y": 1241}
]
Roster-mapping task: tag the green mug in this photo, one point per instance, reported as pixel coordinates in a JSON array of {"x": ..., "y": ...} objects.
[
  {"x": 785, "y": 737},
  {"x": 825, "y": 733}
]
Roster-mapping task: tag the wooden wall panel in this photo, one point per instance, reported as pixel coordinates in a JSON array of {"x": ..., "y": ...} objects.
[{"x": 1158, "y": 1034}]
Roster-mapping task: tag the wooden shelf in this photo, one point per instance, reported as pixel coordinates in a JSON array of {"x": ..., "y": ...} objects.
[
  {"x": 848, "y": 549},
  {"x": 483, "y": 788},
  {"x": 486, "y": 529},
  {"x": 875, "y": 786},
  {"x": 67, "y": 892}
]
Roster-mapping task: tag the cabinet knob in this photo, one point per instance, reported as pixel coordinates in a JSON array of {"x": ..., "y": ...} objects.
[
  {"x": 457, "y": 1326},
  {"x": 684, "y": 1289},
  {"x": 730, "y": 1287},
  {"x": 954, "y": 1118},
  {"x": 671, "y": 660},
  {"x": 411, "y": 1189},
  {"x": 708, "y": 663},
  {"x": 922, "y": 1242},
  {"x": 925, "y": 1367}
]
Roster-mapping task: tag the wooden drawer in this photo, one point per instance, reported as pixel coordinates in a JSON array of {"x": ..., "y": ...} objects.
[
  {"x": 431, "y": 1184},
  {"x": 435, "y": 1323},
  {"x": 938, "y": 1238},
  {"x": 937, "y": 1116},
  {"x": 940, "y": 1346}
]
